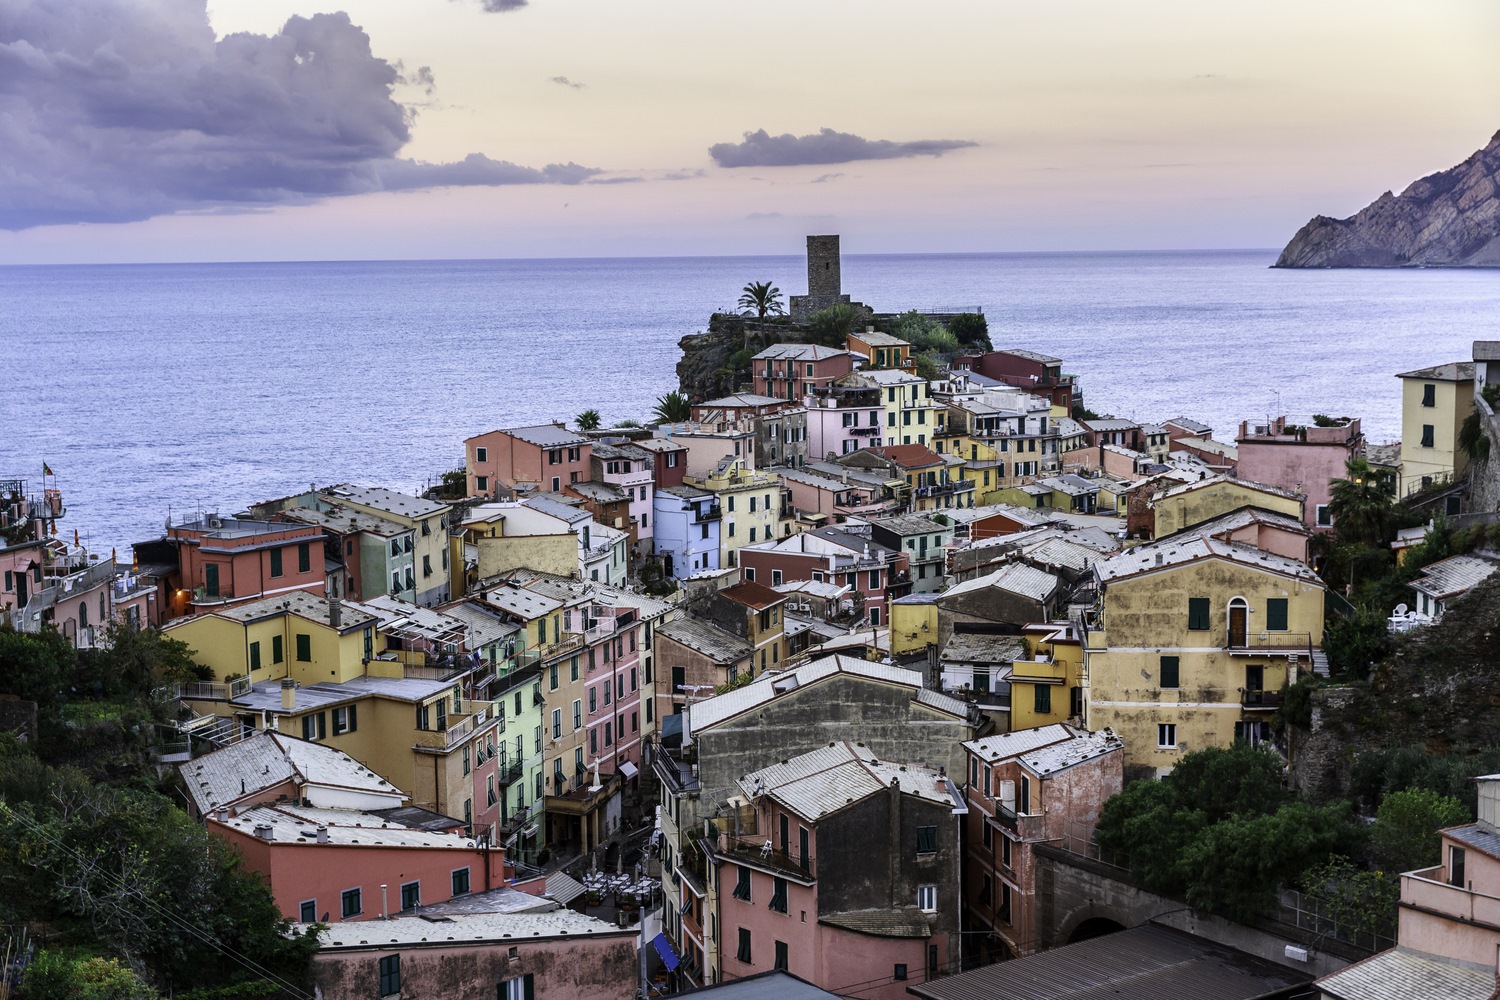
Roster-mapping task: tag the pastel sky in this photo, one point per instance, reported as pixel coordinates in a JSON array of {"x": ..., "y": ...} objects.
[{"x": 164, "y": 130}]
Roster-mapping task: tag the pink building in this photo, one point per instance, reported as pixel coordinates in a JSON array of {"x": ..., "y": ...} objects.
[
  {"x": 632, "y": 471},
  {"x": 844, "y": 419},
  {"x": 1036, "y": 373},
  {"x": 842, "y": 869},
  {"x": 613, "y": 681},
  {"x": 52, "y": 583},
  {"x": 876, "y": 574},
  {"x": 353, "y": 865},
  {"x": 1299, "y": 458},
  {"x": 544, "y": 458},
  {"x": 835, "y": 498},
  {"x": 213, "y": 562},
  {"x": 791, "y": 371},
  {"x": 1026, "y": 788},
  {"x": 1449, "y": 933}
]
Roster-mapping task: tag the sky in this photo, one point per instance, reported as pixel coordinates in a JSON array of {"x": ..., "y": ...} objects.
[{"x": 179, "y": 130}]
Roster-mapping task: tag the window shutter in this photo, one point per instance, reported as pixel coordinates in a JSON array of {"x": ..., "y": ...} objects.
[
  {"x": 1276, "y": 614},
  {"x": 528, "y": 987}
]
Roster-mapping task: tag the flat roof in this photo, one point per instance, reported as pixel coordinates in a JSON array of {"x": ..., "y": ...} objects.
[
  {"x": 401, "y": 504},
  {"x": 465, "y": 928}
]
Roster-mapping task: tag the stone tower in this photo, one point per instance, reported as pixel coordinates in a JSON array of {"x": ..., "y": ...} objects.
[{"x": 824, "y": 280}]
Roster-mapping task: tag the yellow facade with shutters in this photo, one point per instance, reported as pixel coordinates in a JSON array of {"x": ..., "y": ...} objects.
[
  {"x": 1214, "y": 497},
  {"x": 282, "y": 645},
  {"x": 1165, "y": 671},
  {"x": 1048, "y": 687},
  {"x": 1434, "y": 404}
]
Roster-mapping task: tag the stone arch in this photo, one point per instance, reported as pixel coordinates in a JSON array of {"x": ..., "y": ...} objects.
[
  {"x": 1094, "y": 927},
  {"x": 1089, "y": 919}
]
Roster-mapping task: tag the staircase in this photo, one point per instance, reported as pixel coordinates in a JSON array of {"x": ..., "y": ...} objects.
[
  {"x": 1320, "y": 663},
  {"x": 218, "y": 730}
]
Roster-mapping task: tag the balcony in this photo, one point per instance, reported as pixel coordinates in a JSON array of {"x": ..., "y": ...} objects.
[
  {"x": 863, "y": 431},
  {"x": 1426, "y": 890},
  {"x": 755, "y": 854},
  {"x": 1251, "y": 643},
  {"x": 445, "y": 739},
  {"x": 211, "y": 690},
  {"x": 1260, "y": 701},
  {"x": 943, "y": 489},
  {"x": 705, "y": 514}
]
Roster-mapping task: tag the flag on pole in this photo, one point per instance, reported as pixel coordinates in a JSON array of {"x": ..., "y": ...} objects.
[{"x": 47, "y": 470}]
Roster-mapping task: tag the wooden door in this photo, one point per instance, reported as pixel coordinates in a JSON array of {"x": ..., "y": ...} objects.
[{"x": 1237, "y": 619}]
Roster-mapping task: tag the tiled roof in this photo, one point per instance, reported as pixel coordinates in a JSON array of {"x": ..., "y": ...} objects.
[
  {"x": 1110, "y": 424},
  {"x": 407, "y": 619},
  {"x": 401, "y": 504},
  {"x": 1149, "y": 962},
  {"x": 293, "y": 824},
  {"x": 753, "y": 595},
  {"x": 521, "y": 602},
  {"x": 297, "y": 602},
  {"x": 1453, "y": 371},
  {"x": 979, "y": 647},
  {"x": 1017, "y": 578},
  {"x": 1455, "y": 575},
  {"x": 246, "y": 768},
  {"x": 798, "y": 352},
  {"x": 546, "y": 436},
  {"x": 555, "y": 507},
  {"x": 466, "y": 928},
  {"x": 1403, "y": 974},
  {"x": 739, "y": 400},
  {"x": 1184, "y": 549},
  {"x": 1055, "y": 757},
  {"x": 768, "y": 687},
  {"x": 1241, "y": 518},
  {"x": 343, "y": 519},
  {"x": 266, "y": 695},
  {"x": 710, "y": 640},
  {"x": 898, "y": 921},
  {"x": 1228, "y": 480},
  {"x": 684, "y": 492},
  {"x": 1188, "y": 424},
  {"x": 1003, "y": 746},
  {"x": 1016, "y": 352},
  {"x": 1480, "y": 836},
  {"x": 1071, "y": 485},
  {"x": 909, "y": 456},
  {"x": 911, "y": 524},
  {"x": 830, "y": 778}
]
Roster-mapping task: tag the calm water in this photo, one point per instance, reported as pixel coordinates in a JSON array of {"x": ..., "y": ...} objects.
[{"x": 201, "y": 387}]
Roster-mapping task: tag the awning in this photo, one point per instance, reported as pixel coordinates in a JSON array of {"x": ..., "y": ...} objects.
[
  {"x": 563, "y": 888},
  {"x": 628, "y": 769},
  {"x": 529, "y": 831},
  {"x": 664, "y": 949}
]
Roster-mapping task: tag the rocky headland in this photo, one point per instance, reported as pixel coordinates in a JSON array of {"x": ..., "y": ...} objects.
[{"x": 1447, "y": 219}]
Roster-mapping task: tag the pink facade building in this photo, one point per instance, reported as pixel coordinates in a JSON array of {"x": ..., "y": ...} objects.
[
  {"x": 1304, "y": 459},
  {"x": 543, "y": 458},
  {"x": 1036, "y": 373},
  {"x": 632, "y": 471},
  {"x": 669, "y": 458},
  {"x": 842, "y": 420},
  {"x": 211, "y": 562},
  {"x": 791, "y": 371},
  {"x": 842, "y": 869}
]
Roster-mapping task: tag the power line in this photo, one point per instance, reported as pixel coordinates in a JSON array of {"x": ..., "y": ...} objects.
[{"x": 120, "y": 883}]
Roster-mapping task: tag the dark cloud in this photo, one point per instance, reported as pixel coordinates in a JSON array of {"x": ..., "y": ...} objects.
[
  {"x": 116, "y": 111},
  {"x": 565, "y": 82},
  {"x": 501, "y": 6},
  {"x": 760, "y": 149}
]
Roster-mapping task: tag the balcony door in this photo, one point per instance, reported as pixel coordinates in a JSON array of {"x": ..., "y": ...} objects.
[{"x": 1239, "y": 617}]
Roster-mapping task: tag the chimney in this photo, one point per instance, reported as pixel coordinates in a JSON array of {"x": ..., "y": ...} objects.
[
  {"x": 384, "y": 909},
  {"x": 265, "y": 831},
  {"x": 221, "y": 814},
  {"x": 336, "y": 613},
  {"x": 288, "y": 694},
  {"x": 322, "y": 833}
]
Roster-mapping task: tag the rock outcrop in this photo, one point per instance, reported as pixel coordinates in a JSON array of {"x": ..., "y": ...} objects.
[{"x": 1447, "y": 219}]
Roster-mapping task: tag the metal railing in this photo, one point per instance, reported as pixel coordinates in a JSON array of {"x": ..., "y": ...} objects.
[{"x": 211, "y": 690}]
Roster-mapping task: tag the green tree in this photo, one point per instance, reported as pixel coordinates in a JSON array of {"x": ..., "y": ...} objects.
[
  {"x": 762, "y": 298},
  {"x": 627, "y": 423},
  {"x": 1361, "y": 504},
  {"x": 972, "y": 331},
  {"x": 588, "y": 420},
  {"x": 1355, "y": 644},
  {"x": 1363, "y": 901},
  {"x": 140, "y": 660},
  {"x": 672, "y": 408},
  {"x": 36, "y": 666},
  {"x": 1404, "y": 834},
  {"x": 830, "y": 326},
  {"x": 52, "y": 975}
]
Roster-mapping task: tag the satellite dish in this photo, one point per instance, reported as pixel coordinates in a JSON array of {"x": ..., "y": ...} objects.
[{"x": 1401, "y": 610}]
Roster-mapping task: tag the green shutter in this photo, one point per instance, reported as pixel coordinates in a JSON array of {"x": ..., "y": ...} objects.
[
  {"x": 1169, "y": 671},
  {"x": 528, "y": 987},
  {"x": 211, "y": 580},
  {"x": 1042, "y": 698},
  {"x": 255, "y": 656},
  {"x": 1276, "y": 614},
  {"x": 304, "y": 647},
  {"x": 353, "y": 718},
  {"x": 276, "y": 652},
  {"x": 1198, "y": 614},
  {"x": 275, "y": 562}
]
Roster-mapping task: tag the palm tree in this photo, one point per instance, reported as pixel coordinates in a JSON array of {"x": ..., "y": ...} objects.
[
  {"x": 672, "y": 408},
  {"x": 763, "y": 298},
  {"x": 1361, "y": 504},
  {"x": 588, "y": 420},
  {"x": 830, "y": 326}
]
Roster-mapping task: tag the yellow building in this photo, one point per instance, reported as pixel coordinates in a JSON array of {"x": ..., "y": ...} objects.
[
  {"x": 880, "y": 350},
  {"x": 750, "y": 503},
  {"x": 1048, "y": 687},
  {"x": 914, "y": 624},
  {"x": 1181, "y": 507},
  {"x": 1434, "y": 404},
  {"x": 1192, "y": 643},
  {"x": 912, "y": 416}
]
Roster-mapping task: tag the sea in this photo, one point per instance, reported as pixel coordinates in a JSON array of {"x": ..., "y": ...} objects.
[{"x": 168, "y": 389}]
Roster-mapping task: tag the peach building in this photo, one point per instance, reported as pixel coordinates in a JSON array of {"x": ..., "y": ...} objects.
[
  {"x": 545, "y": 457},
  {"x": 1448, "y": 942},
  {"x": 1303, "y": 459},
  {"x": 212, "y": 562}
]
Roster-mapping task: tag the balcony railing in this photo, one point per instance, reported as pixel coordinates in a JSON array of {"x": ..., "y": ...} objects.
[
  {"x": 1279, "y": 642},
  {"x": 211, "y": 690},
  {"x": 709, "y": 513},
  {"x": 1263, "y": 700},
  {"x": 483, "y": 713}
]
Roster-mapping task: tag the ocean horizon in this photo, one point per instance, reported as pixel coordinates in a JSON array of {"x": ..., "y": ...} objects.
[{"x": 184, "y": 387}]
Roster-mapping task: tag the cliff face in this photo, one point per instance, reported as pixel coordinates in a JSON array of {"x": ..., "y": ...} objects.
[{"x": 1447, "y": 219}]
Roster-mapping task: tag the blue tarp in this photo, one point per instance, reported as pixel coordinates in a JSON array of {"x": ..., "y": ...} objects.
[{"x": 664, "y": 949}]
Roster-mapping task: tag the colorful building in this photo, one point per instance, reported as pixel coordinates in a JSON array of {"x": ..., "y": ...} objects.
[
  {"x": 875, "y": 573},
  {"x": 1303, "y": 459},
  {"x": 544, "y": 457},
  {"x": 1434, "y": 404},
  {"x": 792, "y": 371}
]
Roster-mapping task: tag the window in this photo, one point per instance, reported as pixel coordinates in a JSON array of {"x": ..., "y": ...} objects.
[
  {"x": 210, "y": 580},
  {"x": 1005, "y": 850},
  {"x": 1426, "y": 438},
  {"x": 482, "y": 483},
  {"x": 467, "y": 766},
  {"x": 593, "y": 741},
  {"x": 900, "y": 972},
  {"x": 927, "y": 898},
  {"x": 346, "y": 720},
  {"x": 304, "y": 558},
  {"x": 411, "y": 895},
  {"x": 1198, "y": 611},
  {"x": 424, "y": 717},
  {"x": 1324, "y": 516},
  {"x": 926, "y": 840},
  {"x": 1429, "y": 395},
  {"x": 255, "y": 656},
  {"x": 1456, "y": 866},
  {"x": 1276, "y": 614},
  {"x": 742, "y": 884},
  {"x": 390, "y": 975},
  {"x": 781, "y": 962},
  {"x": 578, "y": 713},
  {"x": 520, "y": 988},
  {"x": 1042, "y": 699},
  {"x": 1023, "y": 800},
  {"x": 427, "y": 565},
  {"x": 307, "y": 911},
  {"x": 1166, "y": 736},
  {"x": 481, "y": 454},
  {"x": 593, "y": 700},
  {"x": 350, "y": 904},
  {"x": 778, "y": 896},
  {"x": 276, "y": 652},
  {"x": 315, "y": 726},
  {"x": 744, "y": 951},
  {"x": 557, "y": 723},
  {"x": 275, "y": 562},
  {"x": 304, "y": 647},
  {"x": 1169, "y": 671},
  {"x": 750, "y": 570},
  {"x": 609, "y": 734}
]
